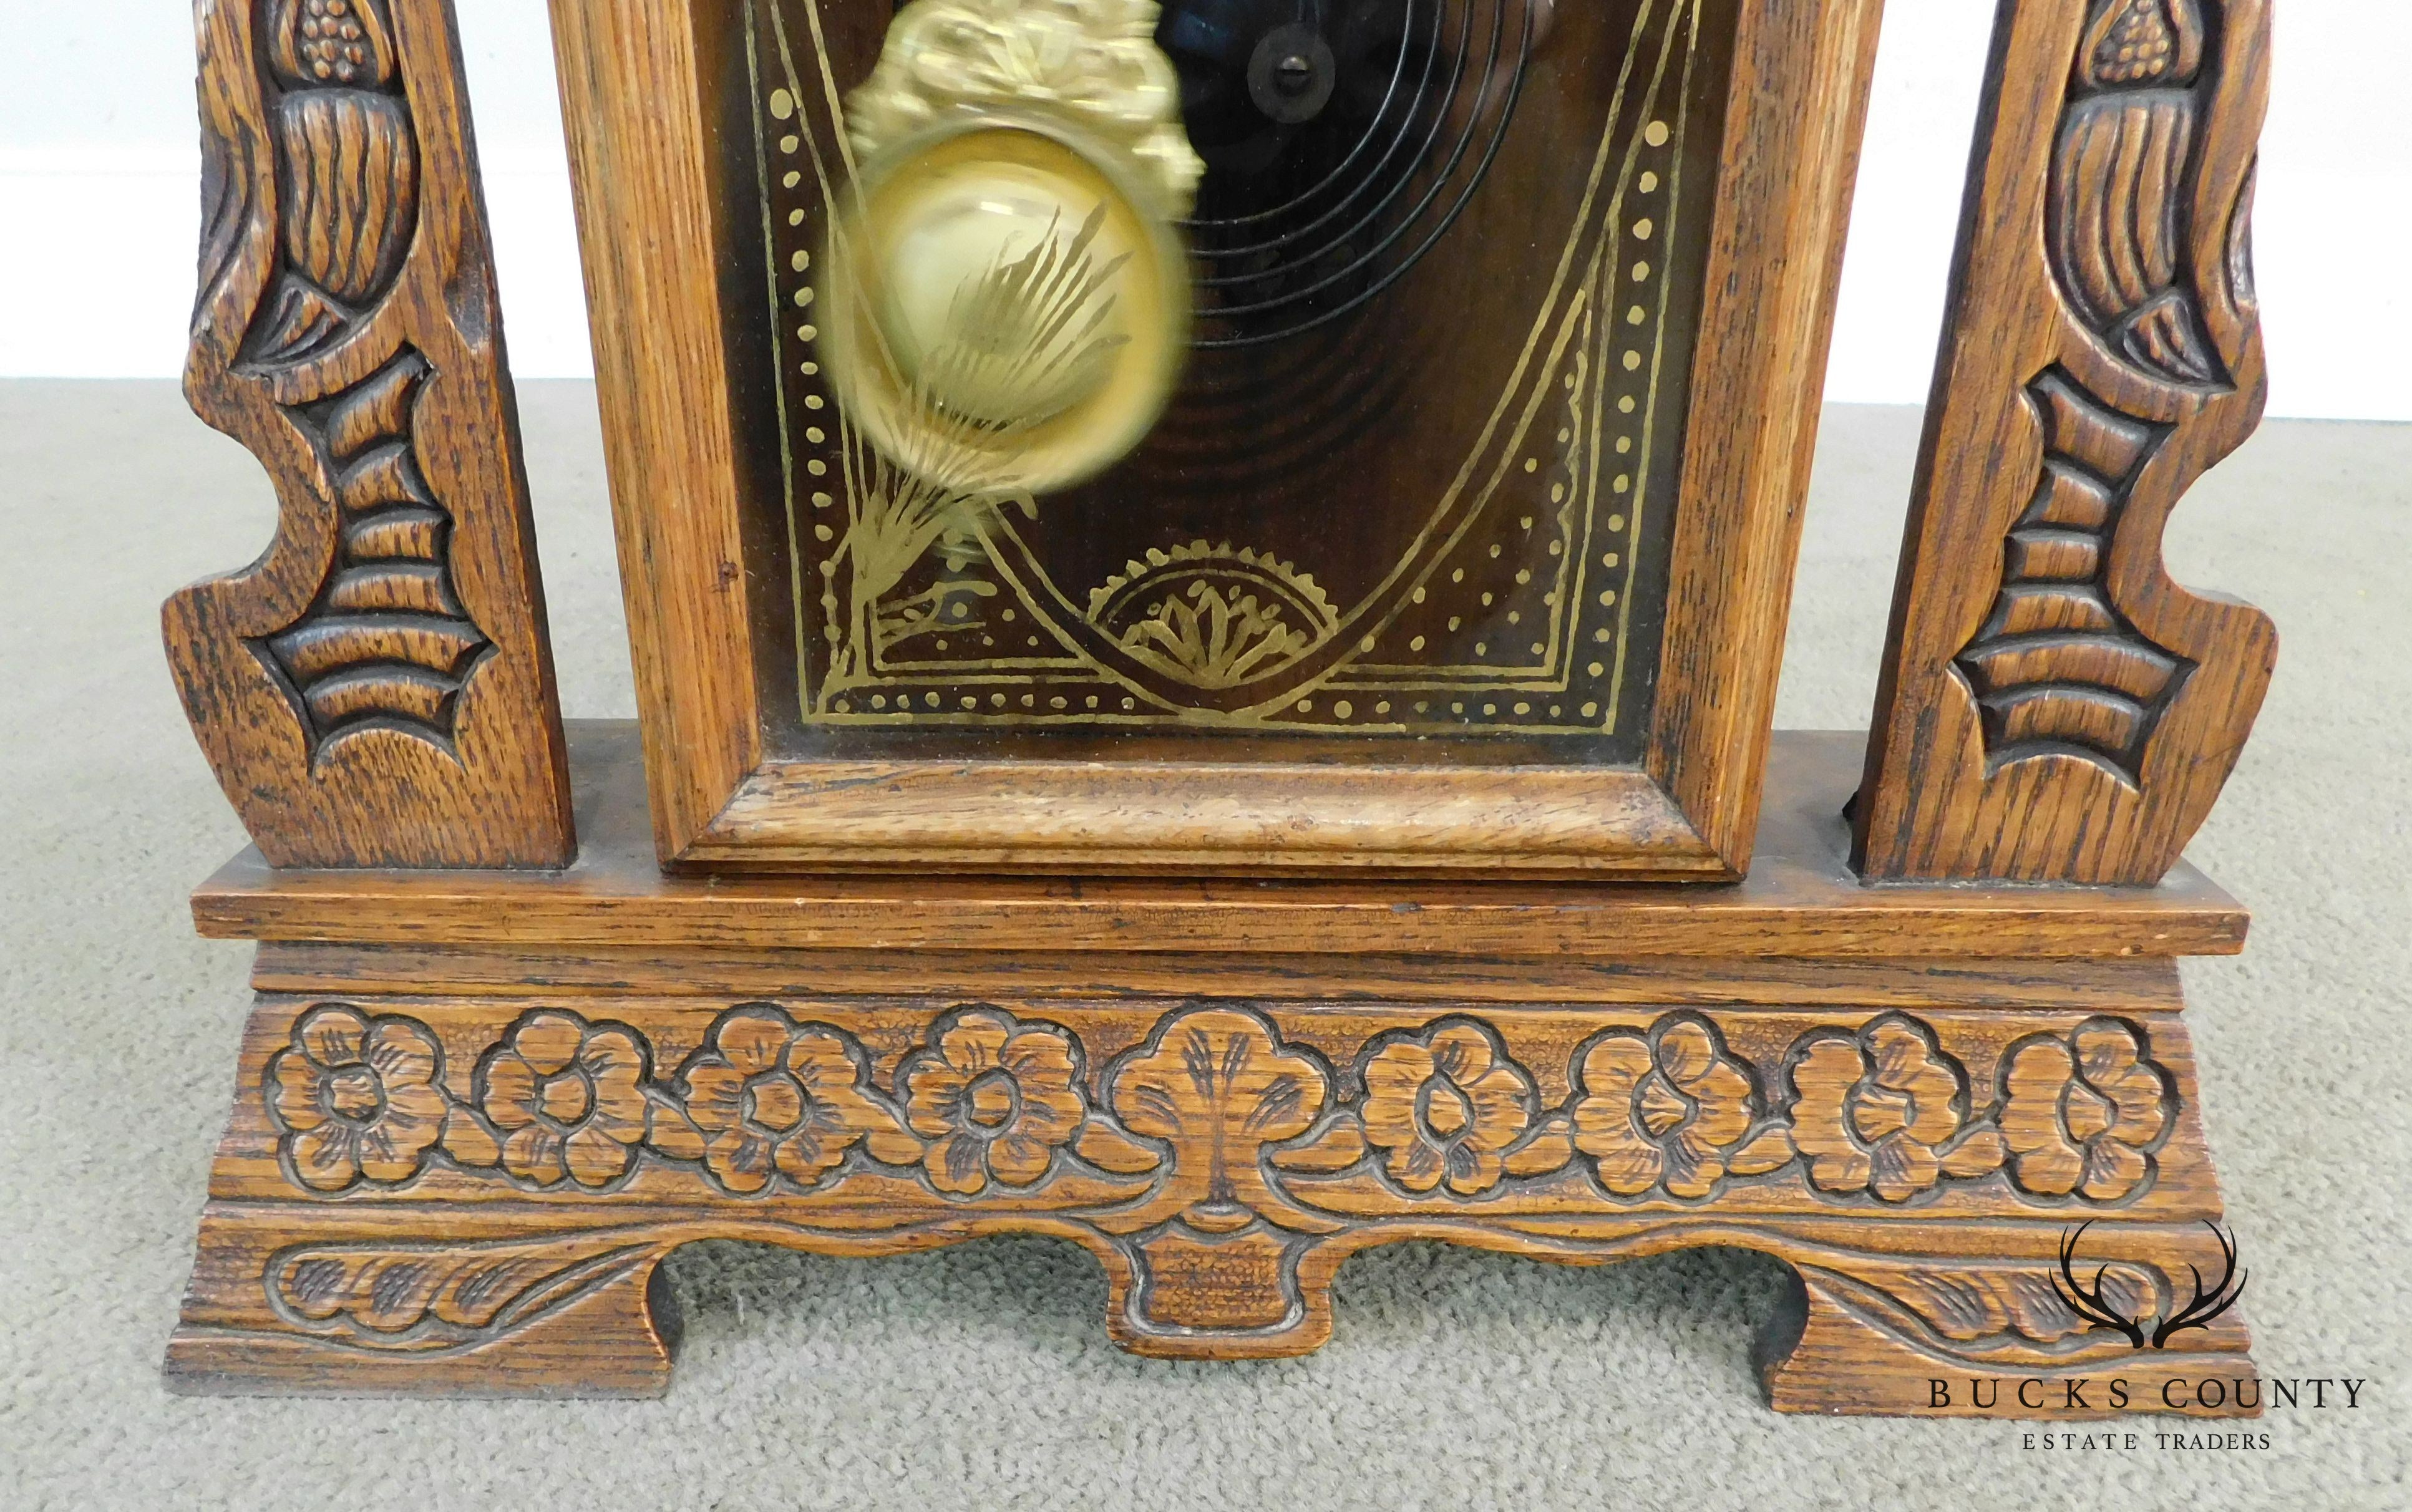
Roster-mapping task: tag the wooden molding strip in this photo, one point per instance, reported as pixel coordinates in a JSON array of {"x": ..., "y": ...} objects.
[
  {"x": 1795, "y": 110},
  {"x": 647, "y": 220},
  {"x": 1801, "y": 899},
  {"x": 1197, "y": 818}
]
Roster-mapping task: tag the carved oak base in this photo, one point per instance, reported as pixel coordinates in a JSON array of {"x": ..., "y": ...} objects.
[
  {"x": 471, "y": 1194},
  {"x": 475, "y": 1109}
]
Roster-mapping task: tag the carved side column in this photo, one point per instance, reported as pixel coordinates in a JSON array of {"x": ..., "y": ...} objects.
[
  {"x": 2053, "y": 706},
  {"x": 376, "y": 690}
]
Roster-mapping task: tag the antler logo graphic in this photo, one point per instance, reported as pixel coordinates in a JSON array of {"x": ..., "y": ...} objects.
[{"x": 2100, "y": 1313}]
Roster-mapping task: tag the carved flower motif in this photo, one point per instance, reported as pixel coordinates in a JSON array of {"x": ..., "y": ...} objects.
[
  {"x": 768, "y": 1096},
  {"x": 1667, "y": 1111},
  {"x": 1445, "y": 1104},
  {"x": 356, "y": 1097},
  {"x": 567, "y": 1098},
  {"x": 994, "y": 1098},
  {"x": 1217, "y": 1085},
  {"x": 1879, "y": 1113},
  {"x": 2081, "y": 1114}
]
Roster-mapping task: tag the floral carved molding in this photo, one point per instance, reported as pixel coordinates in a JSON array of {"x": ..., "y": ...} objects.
[
  {"x": 1217, "y": 1152},
  {"x": 1217, "y": 1114}
]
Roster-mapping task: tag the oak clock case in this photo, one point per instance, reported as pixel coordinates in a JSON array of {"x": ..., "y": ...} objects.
[
  {"x": 790, "y": 979},
  {"x": 1431, "y": 496},
  {"x": 1419, "y": 476}
]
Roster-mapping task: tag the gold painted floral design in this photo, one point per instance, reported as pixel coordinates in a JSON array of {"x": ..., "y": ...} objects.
[
  {"x": 771, "y": 1097},
  {"x": 1217, "y": 641},
  {"x": 2084, "y": 1114},
  {"x": 1213, "y": 616},
  {"x": 1670, "y": 1111},
  {"x": 1446, "y": 1106},
  {"x": 994, "y": 1098},
  {"x": 1884, "y": 1111},
  {"x": 566, "y": 1099},
  {"x": 356, "y": 1097}
]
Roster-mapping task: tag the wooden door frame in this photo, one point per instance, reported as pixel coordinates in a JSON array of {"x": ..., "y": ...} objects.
[{"x": 632, "y": 79}]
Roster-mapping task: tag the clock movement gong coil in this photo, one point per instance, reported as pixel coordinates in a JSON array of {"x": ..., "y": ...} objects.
[{"x": 1342, "y": 140}]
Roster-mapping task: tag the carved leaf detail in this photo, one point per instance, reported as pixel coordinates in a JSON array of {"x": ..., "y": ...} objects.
[
  {"x": 230, "y": 171},
  {"x": 348, "y": 179},
  {"x": 386, "y": 644},
  {"x": 351, "y": 186},
  {"x": 418, "y": 1296},
  {"x": 2114, "y": 234},
  {"x": 1969, "y": 1304},
  {"x": 2057, "y": 668},
  {"x": 2121, "y": 175}
]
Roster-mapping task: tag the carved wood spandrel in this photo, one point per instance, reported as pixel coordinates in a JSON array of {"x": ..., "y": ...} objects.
[
  {"x": 413, "y": 1185},
  {"x": 376, "y": 689},
  {"x": 2055, "y": 707}
]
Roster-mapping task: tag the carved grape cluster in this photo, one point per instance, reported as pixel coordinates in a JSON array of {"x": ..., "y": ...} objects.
[
  {"x": 2142, "y": 42},
  {"x": 334, "y": 42},
  {"x": 1216, "y": 1118}
]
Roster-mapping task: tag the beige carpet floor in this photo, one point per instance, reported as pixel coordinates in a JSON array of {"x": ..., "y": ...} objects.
[{"x": 981, "y": 1377}]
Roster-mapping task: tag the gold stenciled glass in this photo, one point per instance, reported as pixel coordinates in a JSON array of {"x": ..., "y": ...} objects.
[{"x": 1009, "y": 303}]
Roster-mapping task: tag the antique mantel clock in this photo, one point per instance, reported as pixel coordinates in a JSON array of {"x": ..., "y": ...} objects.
[{"x": 1206, "y": 582}]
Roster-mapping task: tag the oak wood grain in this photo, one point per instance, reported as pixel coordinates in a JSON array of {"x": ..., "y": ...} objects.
[
  {"x": 476, "y": 1108},
  {"x": 2053, "y": 707},
  {"x": 414, "y": 1185},
  {"x": 648, "y": 226},
  {"x": 1198, "y": 819},
  {"x": 376, "y": 689},
  {"x": 1797, "y": 107},
  {"x": 2139, "y": 984},
  {"x": 1801, "y": 899}
]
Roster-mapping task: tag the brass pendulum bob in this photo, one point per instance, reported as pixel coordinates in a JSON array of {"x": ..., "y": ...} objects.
[{"x": 1009, "y": 300}]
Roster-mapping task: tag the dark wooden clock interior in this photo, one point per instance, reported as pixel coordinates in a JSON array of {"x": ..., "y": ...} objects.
[{"x": 1419, "y": 479}]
